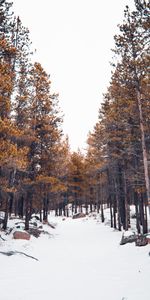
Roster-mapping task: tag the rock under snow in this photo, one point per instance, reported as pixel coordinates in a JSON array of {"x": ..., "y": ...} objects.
[
  {"x": 128, "y": 238},
  {"x": 79, "y": 215},
  {"x": 23, "y": 235},
  {"x": 141, "y": 241}
]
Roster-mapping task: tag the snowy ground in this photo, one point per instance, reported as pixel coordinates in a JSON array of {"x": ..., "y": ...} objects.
[{"x": 82, "y": 261}]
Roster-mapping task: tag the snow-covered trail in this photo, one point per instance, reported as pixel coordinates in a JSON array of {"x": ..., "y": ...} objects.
[{"x": 83, "y": 261}]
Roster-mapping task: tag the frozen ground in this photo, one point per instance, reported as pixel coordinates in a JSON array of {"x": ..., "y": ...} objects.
[{"x": 82, "y": 261}]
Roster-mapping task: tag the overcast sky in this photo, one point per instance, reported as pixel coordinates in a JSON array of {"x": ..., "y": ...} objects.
[{"x": 73, "y": 39}]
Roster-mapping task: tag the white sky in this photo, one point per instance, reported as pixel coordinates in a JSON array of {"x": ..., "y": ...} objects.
[{"x": 73, "y": 39}]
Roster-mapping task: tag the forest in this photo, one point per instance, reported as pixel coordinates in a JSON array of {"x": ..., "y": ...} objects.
[{"x": 38, "y": 171}]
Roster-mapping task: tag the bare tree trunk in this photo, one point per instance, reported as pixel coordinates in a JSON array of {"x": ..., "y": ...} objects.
[
  {"x": 27, "y": 212},
  {"x": 126, "y": 202},
  {"x": 6, "y": 213},
  {"x": 86, "y": 206},
  {"x": 40, "y": 215},
  {"x": 101, "y": 204},
  {"x": 111, "y": 215},
  {"x": 137, "y": 212},
  {"x": 145, "y": 161},
  {"x": 114, "y": 212},
  {"x": 67, "y": 212},
  {"x": 118, "y": 205}
]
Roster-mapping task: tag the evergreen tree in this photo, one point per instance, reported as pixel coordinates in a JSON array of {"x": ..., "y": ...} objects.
[{"x": 132, "y": 47}]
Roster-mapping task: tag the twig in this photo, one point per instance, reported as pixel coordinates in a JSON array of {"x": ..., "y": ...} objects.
[
  {"x": 10, "y": 253},
  {"x": 2, "y": 238}
]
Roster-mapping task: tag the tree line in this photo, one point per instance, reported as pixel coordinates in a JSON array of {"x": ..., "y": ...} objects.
[
  {"x": 38, "y": 172},
  {"x": 120, "y": 141}
]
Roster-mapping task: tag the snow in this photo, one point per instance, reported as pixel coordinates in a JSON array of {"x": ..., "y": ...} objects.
[
  {"x": 128, "y": 233},
  {"x": 82, "y": 260}
]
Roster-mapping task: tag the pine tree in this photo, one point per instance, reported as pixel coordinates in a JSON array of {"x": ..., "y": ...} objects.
[
  {"x": 44, "y": 121},
  {"x": 76, "y": 181},
  {"x": 132, "y": 47}
]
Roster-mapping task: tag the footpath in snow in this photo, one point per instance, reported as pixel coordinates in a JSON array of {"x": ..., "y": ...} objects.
[{"x": 81, "y": 261}]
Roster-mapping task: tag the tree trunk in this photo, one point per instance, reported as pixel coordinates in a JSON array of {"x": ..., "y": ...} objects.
[
  {"x": 117, "y": 205},
  {"x": 136, "y": 200},
  {"x": 121, "y": 196},
  {"x": 40, "y": 215},
  {"x": 145, "y": 219},
  {"x": 126, "y": 201},
  {"x": 111, "y": 215},
  {"x": 27, "y": 214},
  {"x": 6, "y": 214},
  {"x": 21, "y": 207},
  {"x": 114, "y": 212},
  {"x": 145, "y": 161},
  {"x": 86, "y": 207}
]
